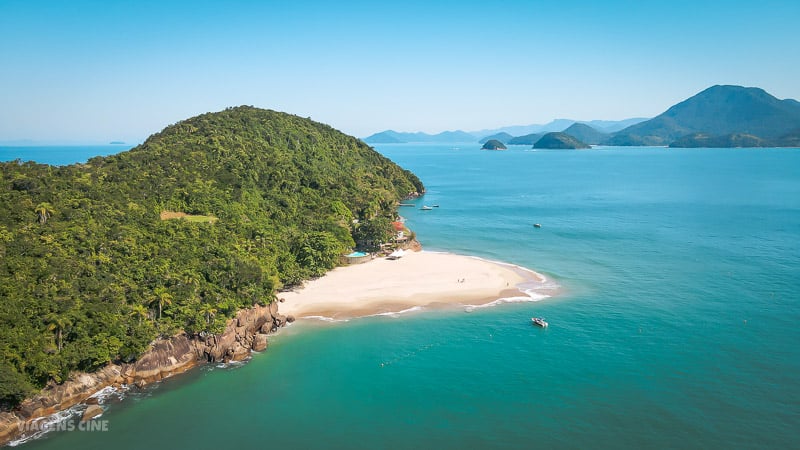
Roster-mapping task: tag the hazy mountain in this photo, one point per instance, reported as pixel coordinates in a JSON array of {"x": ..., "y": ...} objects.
[
  {"x": 504, "y": 134},
  {"x": 585, "y": 133},
  {"x": 451, "y": 136},
  {"x": 519, "y": 130},
  {"x": 610, "y": 126},
  {"x": 385, "y": 137},
  {"x": 502, "y": 137},
  {"x": 717, "y": 111},
  {"x": 528, "y": 139},
  {"x": 395, "y": 137},
  {"x": 606, "y": 126}
]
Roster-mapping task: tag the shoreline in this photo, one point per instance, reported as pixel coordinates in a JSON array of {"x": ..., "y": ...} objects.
[
  {"x": 245, "y": 333},
  {"x": 418, "y": 280}
]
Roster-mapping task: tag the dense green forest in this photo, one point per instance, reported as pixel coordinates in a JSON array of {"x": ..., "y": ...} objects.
[{"x": 91, "y": 272}]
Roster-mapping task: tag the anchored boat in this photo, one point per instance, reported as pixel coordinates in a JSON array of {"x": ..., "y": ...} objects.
[{"x": 539, "y": 322}]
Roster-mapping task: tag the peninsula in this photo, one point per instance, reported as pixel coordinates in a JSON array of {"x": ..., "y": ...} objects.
[
  {"x": 135, "y": 267},
  {"x": 100, "y": 262}
]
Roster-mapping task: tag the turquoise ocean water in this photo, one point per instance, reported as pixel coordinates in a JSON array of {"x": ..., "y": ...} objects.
[{"x": 677, "y": 326}]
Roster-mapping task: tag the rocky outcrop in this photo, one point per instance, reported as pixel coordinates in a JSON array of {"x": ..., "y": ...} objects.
[
  {"x": 91, "y": 412},
  {"x": 165, "y": 358},
  {"x": 413, "y": 245},
  {"x": 260, "y": 342},
  {"x": 56, "y": 397}
]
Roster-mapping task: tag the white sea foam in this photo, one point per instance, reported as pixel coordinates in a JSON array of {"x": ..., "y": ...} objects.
[
  {"x": 64, "y": 420},
  {"x": 324, "y": 319},
  {"x": 232, "y": 364},
  {"x": 521, "y": 299},
  {"x": 398, "y": 313},
  {"x": 43, "y": 425},
  {"x": 103, "y": 395}
]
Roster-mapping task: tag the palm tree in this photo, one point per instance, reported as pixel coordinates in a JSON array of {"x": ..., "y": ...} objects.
[
  {"x": 191, "y": 278},
  {"x": 44, "y": 210},
  {"x": 208, "y": 311},
  {"x": 140, "y": 312},
  {"x": 58, "y": 324},
  {"x": 161, "y": 298}
]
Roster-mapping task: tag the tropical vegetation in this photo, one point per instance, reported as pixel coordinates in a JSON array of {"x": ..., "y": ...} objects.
[{"x": 90, "y": 273}]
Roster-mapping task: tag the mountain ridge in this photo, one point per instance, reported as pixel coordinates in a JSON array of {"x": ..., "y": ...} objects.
[
  {"x": 502, "y": 137},
  {"x": 397, "y": 137},
  {"x": 586, "y": 133},
  {"x": 719, "y": 110}
]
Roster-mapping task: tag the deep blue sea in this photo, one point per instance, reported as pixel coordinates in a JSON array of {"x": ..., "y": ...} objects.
[
  {"x": 678, "y": 325},
  {"x": 59, "y": 155}
]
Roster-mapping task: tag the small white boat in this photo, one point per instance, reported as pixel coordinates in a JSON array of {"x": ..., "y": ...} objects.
[
  {"x": 426, "y": 208},
  {"x": 537, "y": 225},
  {"x": 539, "y": 322}
]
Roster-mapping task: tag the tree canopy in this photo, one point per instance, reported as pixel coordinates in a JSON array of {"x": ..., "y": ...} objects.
[{"x": 90, "y": 273}]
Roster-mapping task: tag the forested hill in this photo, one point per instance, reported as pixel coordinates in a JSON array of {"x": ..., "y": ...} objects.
[{"x": 208, "y": 216}]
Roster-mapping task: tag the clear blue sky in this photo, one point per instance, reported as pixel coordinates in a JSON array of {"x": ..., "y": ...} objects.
[{"x": 94, "y": 71}]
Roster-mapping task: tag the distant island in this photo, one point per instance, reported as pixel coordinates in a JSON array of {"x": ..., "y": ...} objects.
[
  {"x": 720, "y": 116},
  {"x": 604, "y": 126},
  {"x": 504, "y": 134},
  {"x": 116, "y": 143},
  {"x": 561, "y": 141},
  {"x": 493, "y": 144}
]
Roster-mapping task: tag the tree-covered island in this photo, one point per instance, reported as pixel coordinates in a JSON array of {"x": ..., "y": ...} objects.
[{"x": 211, "y": 215}]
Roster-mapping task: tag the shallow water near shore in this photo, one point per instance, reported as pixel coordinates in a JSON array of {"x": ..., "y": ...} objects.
[{"x": 676, "y": 325}]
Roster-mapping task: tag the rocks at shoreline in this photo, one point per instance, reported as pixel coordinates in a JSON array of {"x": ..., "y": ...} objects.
[
  {"x": 91, "y": 412},
  {"x": 167, "y": 357}
]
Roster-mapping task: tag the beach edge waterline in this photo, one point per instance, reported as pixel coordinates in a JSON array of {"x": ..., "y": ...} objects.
[{"x": 418, "y": 281}]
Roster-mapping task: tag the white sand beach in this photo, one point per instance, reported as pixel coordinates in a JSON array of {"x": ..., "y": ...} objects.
[{"x": 416, "y": 279}]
